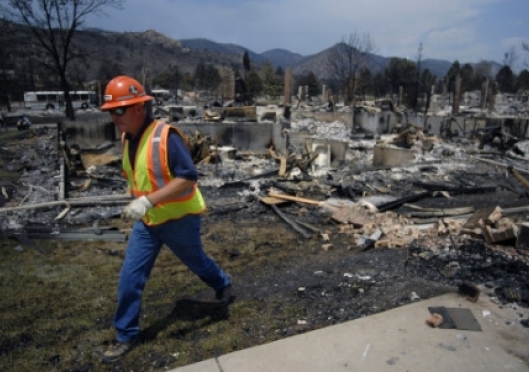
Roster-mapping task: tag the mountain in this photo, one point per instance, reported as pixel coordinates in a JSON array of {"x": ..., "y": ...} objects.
[
  {"x": 282, "y": 57},
  {"x": 221, "y": 48},
  {"x": 149, "y": 53}
]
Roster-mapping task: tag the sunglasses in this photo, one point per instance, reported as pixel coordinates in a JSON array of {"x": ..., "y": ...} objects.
[{"x": 120, "y": 111}]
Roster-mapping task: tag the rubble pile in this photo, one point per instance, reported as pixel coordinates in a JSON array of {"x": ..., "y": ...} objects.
[{"x": 459, "y": 206}]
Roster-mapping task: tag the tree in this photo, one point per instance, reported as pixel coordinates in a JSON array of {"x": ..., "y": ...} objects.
[
  {"x": 401, "y": 73},
  {"x": 206, "y": 77},
  {"x": 522, "y": 83},
  {"x": 454, "y": 70},
  {"x": 380, "y": 86},
  {"x": 280, "y": 72},
  {"x": 169, "y": 78},
  {"x": 525, "y": 48},
  {"x": 346, "y": 60},
  {"x": 272, "y": 84},
  {"x": 510, "y": 57},
  {"x": 109, "y": 69},
  {"x": 468, "y": 80},
  {"x": 415, "y": 102},
  {"x": 246, "y": 62},
  {"x": 53, "y": 25},
  {"x": 365, "y": 82},
  {"x": 506, "y": 80},
  {"x": 426, "y": 81},
  {"x": 254, "y": 84},
  {"x": 312, "y": 83}
]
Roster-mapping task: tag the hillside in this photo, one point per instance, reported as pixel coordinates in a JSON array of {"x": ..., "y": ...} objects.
[{"x": 147, "y": 54}]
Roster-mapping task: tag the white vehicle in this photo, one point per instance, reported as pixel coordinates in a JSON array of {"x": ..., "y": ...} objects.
[{"x": 51, "y": 100}]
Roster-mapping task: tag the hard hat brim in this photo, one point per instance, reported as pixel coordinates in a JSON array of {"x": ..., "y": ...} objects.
[{"x": 128, "y": 102}]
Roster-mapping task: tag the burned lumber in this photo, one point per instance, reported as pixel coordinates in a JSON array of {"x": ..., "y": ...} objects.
[
  {"x": 49, "y": 233},
  {"x": 244, "y": 181},
  {"x": 491, "y": 162},
  {"x": 520, "y": 178},
  {"x": 291, "y": 222},
  {"x": 431, "y": 186},
  {"x": 79, "y": 202},
  {"x": 222, "y": 210},
  {"x": 440, "y": 213},
  {"x": 407, "y": 199},
  {"x": 437, "y": 212}
]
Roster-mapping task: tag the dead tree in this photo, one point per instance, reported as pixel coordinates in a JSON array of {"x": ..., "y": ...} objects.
[
  {"x": 53, "y": 25},
  {"x": 346, "y": 60}
]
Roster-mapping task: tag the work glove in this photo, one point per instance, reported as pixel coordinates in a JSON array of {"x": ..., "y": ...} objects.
[{"x": 137, "y": 208}]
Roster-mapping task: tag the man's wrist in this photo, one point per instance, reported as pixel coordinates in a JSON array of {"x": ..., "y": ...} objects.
[{"x": 146, "y": 201}]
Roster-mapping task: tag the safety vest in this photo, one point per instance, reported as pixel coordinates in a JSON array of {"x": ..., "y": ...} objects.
[{"x": 151, "y": 172}]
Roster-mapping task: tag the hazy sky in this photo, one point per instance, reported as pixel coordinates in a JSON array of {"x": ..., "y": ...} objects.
[{"x": 466, "y": 30}]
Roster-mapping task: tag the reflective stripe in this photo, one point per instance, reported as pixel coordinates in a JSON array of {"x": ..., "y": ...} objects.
[{"x": 157, "y": 167}]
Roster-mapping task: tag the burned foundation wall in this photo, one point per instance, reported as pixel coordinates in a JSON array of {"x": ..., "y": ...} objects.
[
  {"x": 88, "y": 133},
  {"x": 388, "y": 122},
  {"x": 299, "y": 140},
  {"x": 325, "y": 117},
  {"x": 244, "y": 136}
]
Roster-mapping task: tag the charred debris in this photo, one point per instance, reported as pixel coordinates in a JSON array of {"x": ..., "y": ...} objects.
[{"x": 452, "y": 191}]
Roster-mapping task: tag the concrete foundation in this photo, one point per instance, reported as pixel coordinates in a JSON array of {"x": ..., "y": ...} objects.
[{"x": 253, "y": 137}]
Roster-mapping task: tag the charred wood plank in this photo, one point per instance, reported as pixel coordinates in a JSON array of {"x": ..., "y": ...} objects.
[
  {"x": 244, "y": 181},
  {"x": 48, "y": 233},
  {"x": 520, "y": 178},
  {"x": 492, "y": 162},
  {"x": 407, "y": 199},
  {"x": 80, "y": 202},
  {"x": 291, "y": 222},
  {"x": 110, "y": 236},
  {"x": 226, "y": 210},
  {"x": 454, "y": 189}
]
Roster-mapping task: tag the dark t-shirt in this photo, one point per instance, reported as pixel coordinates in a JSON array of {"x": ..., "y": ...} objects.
[{"x": 180, "y": 160}]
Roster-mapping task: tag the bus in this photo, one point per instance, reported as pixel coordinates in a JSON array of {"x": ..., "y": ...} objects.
[{"x": 50, "y": 100}]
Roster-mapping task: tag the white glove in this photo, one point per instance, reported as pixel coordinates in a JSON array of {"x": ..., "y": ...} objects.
[{"x": 137, "y": 208}]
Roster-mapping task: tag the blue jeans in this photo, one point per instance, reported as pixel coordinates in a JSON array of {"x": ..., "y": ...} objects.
[{"x": 183, "y": 238}]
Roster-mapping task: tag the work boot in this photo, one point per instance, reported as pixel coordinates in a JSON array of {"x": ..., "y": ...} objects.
[
  {"x": 117, "y": 350},
  {"x": 223, "y": 296}
]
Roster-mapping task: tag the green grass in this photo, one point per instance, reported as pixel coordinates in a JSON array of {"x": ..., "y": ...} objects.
[{"x": 57, "y": 309}]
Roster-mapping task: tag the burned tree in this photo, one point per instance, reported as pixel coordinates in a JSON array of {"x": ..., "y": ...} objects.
[
  {"x": 346, "y": 60},
  {"x": 53, "y": 25}
]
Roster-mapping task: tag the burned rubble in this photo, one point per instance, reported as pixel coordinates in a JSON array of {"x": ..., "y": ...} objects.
[
  {"x": 399, "y": 215},
  {"x": 418, "y": 203}
]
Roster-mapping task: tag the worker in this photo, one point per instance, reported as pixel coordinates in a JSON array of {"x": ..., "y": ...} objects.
[{"x": 167, "y": 207}]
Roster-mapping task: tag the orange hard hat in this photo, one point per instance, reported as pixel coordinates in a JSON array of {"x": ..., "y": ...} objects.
[{"x": 124, "y": 91}]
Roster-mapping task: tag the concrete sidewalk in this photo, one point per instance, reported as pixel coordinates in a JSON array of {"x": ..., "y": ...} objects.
[{"x": 395, "y": 340}]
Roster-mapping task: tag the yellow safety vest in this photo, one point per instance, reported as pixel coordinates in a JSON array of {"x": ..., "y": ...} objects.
[{"x": 151, "y": 172}]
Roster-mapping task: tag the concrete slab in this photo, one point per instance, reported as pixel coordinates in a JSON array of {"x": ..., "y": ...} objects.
[
  {"x": 209, "y": 365},
  {"x": 396, "y": 340}
]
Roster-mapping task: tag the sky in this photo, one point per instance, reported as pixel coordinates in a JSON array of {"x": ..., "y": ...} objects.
[{"x": 463, "y": 30}]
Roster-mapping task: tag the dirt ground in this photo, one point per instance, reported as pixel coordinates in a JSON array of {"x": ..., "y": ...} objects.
[{"x": 57, "y": 307}]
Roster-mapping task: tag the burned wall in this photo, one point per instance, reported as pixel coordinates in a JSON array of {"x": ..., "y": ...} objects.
[
  {"x": 88, "y": 133},
  {"x": 387, "y": 121},
  {"x": 325, "y": 117},
  {"x": 244, "y": 136}
]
